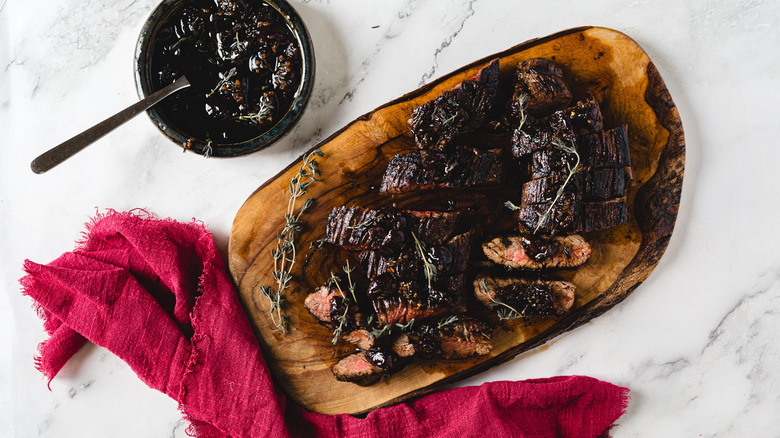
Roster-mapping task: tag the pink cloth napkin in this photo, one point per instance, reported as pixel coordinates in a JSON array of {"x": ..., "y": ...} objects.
[{"x": 156, "y": 293}]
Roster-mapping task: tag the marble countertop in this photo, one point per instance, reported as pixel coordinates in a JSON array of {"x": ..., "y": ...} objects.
[{"x": 696, "y": 343}]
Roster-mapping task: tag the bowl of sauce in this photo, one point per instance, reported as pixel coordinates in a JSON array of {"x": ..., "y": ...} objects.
[{"x": 250, "y": 63}]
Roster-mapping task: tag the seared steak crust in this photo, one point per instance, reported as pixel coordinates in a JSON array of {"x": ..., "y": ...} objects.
[
  {"x": 359, "y": 228},
  {"x": 541, "y": 81},
  {"x": 397, "y": 301},
  {"x": 464, "y": 337},
  {"x": 426, "y": 170},
  {"x": 448, "y": 259},
  {"x": 440, "y": 122}
]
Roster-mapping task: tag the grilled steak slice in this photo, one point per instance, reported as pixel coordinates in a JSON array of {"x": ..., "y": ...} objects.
[
  {"x": 602, "y": 215},
  {"x": 361, "y": 338},
  {"x": 595, "y": 185},
  {"x": 402, "y": 346},
  {"x": 321, "y": 303},
  {"x": 366, "y": 367},
  {"x": 552, "y": 161},
  {"x": 448, "y": 259},
  {"x": 358, "y": 228},
  {"x": 585, "y": 116},
  {"x": 525, "y": 297},
  {"x": 533, "y": 252},
  {"x": 544, "y": 190},
  {"x": 604, "y": 184},
  {"x": 460, "y": 338},
  {"x": 541, "y": 81},
  {"x": 565, "y": 216},
  {"x": 436, "y": 124},
  {"x": 459, "y": 168},
  {"x": 605, "y": 149},
  {"x": 539, "y": 134},
  {"x": 397, "y": 301}
]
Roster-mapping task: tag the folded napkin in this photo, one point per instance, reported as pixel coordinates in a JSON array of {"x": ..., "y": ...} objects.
[{"x": 156, "y": 293}]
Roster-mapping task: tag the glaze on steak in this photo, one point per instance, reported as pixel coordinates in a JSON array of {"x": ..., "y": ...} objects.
[
  {"x": 439, "y": 123},
  {"x": 565, "y": 216},
  {"x": 358, "y": 228},
  {"x": 534, "y": 252},
  {"x": 528, "y": 297},
  {"x": 605, "y": 149},
  {"x": 602, "y": 215},
  {"x": 397, "y": 301},
  {"x": 449, "y": 258},
  {"x": 458, "y": 338},
  {"x": 426, "y": 170},
  {"x": 541, "y": 81}
]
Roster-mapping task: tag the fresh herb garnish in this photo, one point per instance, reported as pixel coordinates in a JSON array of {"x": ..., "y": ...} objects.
[
  {"x": 387, "y": 328},
  {"x": 447, "y": 321},
  {"x": 285, "y": 255},
  {"x": 334, "y": 281},
  {"x": 370, "y": 222},
  {"x": 559, "y": 144},
  {"x": 226, "y": 77},
  {"x": 505, "y": 311},
  {"x": 510, "y": 205},
  {"x": 430, "y": 270},
  {"x": 522, "y": 103}
]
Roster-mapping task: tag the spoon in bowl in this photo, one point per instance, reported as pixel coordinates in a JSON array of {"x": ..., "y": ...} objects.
[{"x": 68, "y": 148}]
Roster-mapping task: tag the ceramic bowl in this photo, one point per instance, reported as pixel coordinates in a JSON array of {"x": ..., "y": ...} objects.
[{"x": 143, "y": 74}]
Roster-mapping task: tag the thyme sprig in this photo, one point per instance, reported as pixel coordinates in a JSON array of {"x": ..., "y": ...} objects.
[
  {"x": 430, "y": 270},
  {"x": 511, "y": 205},
  {"x": 284, "y": 254},
  {"x": 447, "y": 321},
  {"x": 505, "y": 311},
  {"x": 522, "y": 102},
  {"x": 387, "y": 328},
  {"x": 226, "y": 77},
  {"x": 370, "y": 222},
  {"x": 571, "y": 149},
  {"x": 334, "y": 281}
]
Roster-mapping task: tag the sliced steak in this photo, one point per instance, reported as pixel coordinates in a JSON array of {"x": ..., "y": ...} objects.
[
  {"x": 360, "y": 229},
  {"x": 585, "y": 116},
  {"x": 552, "y": 161},
  {"x": 525, "y": 297},
  {"x": 361, "y": 338},
  {"x": 397, "y": 301},
  {"x": 460, "y": 338},
  {"x": 565, "y": 216},
  {"x": 449, "y": 258},
  {"x": 541, "y": 81},
  {"x": 461, "y": 110},
  {"x": 605, "y": 149},
  {"x": 539, "y": 134},
  {"x": 320, "y": 303},
  {"x": 602, "y": 215},
  {"x": 426, "y": 170},
  {"x": 402, "y": 346},
  {"x": 544, "y": 190},
  {"x": 604, "y": 184},
  {"x": 366, "y": 367},
  {"x": 533, "y": 252}
]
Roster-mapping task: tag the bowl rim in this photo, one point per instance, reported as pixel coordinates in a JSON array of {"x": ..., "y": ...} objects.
[{"x": 142, "y": 76}]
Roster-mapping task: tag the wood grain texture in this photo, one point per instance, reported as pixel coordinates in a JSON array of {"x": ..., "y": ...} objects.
[{"x": 600, "y": 61}]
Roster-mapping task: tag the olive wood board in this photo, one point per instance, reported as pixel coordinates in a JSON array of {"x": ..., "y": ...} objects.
[{"x": 601, "y": 61}]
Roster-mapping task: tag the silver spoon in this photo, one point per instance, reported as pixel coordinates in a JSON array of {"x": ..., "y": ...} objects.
[{"x": 67, "y": 149}]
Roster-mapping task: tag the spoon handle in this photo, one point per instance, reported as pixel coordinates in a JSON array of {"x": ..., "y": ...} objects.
[{"x": 68, "y": 148}]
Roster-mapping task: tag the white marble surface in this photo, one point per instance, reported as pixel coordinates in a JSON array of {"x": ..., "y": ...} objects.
[{"x": 696, "y": 343}]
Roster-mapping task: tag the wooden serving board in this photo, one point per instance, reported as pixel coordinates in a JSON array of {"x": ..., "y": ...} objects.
[{"x": 601, "y": 61}]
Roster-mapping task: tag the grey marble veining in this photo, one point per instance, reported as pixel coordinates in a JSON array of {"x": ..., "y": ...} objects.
[{"x": 696, "y": 342}]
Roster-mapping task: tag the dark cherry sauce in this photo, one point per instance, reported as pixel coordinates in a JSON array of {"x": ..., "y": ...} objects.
[{"x": 243, "y": 62}]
